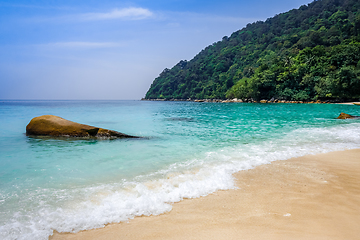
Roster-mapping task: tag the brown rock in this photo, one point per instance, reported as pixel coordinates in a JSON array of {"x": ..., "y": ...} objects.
[
  {"x": 50, "y": 125},
  {"x": 346, "y": 116}
]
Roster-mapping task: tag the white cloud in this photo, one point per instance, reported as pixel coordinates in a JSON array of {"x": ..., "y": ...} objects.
[{"x": 125, "y": 13}]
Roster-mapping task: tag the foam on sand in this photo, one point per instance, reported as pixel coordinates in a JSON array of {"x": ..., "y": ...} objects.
[{"x": 311, "y": 197}]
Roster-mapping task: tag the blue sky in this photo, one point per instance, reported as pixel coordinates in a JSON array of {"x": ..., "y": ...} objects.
[{"x": 87, "y": 49}]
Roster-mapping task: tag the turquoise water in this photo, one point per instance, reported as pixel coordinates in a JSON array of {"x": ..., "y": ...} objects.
[{"x": 188, "y": 150}]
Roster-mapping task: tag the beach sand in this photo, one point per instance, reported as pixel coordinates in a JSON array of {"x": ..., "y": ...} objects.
[
  {"x": 311, "y": 197},
  {"x": 349, "y": 103}
]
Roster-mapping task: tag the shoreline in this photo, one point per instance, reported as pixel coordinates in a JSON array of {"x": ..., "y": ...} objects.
[
  {"x": 235, "y": 100},
  {"x": 310, "y": 197}
]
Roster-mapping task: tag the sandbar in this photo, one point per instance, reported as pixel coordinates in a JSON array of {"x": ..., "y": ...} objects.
[{"x": 311, "y": 197}]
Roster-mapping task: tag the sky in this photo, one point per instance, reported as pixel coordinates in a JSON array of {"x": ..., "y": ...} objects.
[{"x": 110, "y": 50}]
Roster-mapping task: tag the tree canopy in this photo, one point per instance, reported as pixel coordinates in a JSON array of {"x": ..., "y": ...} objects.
[{"x": 308, "y": 53}]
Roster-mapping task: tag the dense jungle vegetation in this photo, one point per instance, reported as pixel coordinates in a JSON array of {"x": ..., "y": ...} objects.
[{"x": 305, "y": 54}]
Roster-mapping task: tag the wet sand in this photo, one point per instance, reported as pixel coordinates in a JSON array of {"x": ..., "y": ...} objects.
[{"x": 311, "y": 197}]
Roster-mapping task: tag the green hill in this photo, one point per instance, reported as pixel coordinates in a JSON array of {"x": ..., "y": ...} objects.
[{"x": 309, "y": 53}]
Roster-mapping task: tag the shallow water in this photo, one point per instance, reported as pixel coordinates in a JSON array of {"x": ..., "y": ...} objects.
[{"x": 188, "y": 150}]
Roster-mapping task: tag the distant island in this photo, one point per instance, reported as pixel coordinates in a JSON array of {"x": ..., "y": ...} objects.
[{"x": 307, "y": 54}]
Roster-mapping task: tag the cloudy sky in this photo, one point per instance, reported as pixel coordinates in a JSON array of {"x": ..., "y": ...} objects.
[{"x": 91, "y": 49}]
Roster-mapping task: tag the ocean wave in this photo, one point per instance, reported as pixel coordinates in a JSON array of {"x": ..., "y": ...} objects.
[{"x": 153, "y": 194}]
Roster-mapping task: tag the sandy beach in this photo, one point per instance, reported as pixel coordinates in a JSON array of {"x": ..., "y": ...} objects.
[
  {"x": 311, "y": 197},
  {"x": 349, "y": 103}
]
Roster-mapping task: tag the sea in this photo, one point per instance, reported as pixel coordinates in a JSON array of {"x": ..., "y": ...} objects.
[{"x": 186, "y": 150}]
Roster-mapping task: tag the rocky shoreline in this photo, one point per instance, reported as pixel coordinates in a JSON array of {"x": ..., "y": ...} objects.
[{"x": 235, "y": 100}]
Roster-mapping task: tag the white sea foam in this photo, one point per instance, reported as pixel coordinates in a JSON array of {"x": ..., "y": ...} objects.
[{"x": 154, "y": 193}]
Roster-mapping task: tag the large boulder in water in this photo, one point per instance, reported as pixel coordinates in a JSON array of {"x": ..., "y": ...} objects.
[
  {"x": 346, "y": 116},
  {"x": 50, "y": 125}
]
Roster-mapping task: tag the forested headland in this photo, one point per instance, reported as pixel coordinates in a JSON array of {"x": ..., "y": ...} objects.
[{"x": 307, "y": 54}]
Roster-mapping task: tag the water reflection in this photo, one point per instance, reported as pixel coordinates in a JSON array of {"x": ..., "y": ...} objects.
[{"x": 59, "y": 142}]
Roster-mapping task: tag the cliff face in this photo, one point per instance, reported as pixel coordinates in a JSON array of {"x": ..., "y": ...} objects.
[{"x": 308, "y": 53}]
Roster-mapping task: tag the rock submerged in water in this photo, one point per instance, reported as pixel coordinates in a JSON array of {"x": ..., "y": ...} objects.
[
  {"x": 346, "y": 116},
  {"x": 50, "y": 125}
]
